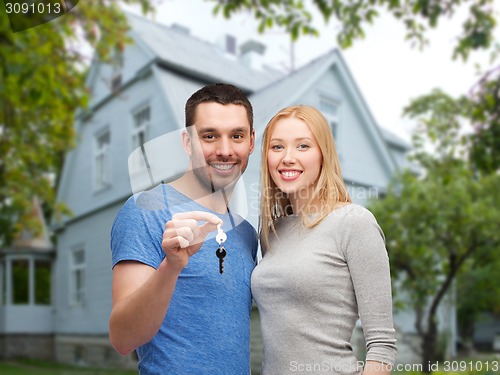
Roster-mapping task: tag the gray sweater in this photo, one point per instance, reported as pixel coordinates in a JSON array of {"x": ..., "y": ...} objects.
[{"x": 313, "y": 284}]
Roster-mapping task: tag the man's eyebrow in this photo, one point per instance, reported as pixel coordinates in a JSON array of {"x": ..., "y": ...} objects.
[
  {"x": 203, "y": 130},
  {"x": 207, "y": 130},
  {"x": 240, "y": 130}
]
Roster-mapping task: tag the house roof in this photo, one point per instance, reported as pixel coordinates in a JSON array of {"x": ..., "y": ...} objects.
[
  {"x": 394, "y": 139},
  {"x": 31, "y": 241},
  {"x": 177, "y": 50},
  {"x": 287, "y": 90}
]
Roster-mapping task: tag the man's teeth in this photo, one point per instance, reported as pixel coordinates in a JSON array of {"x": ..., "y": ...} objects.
[
  {"x": 290, "y": 174},
  {"x": 223, "y": 167}
]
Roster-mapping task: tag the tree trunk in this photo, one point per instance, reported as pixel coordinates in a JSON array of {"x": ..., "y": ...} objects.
[
  {"x": 467, "y": 334},
  {"x": 429, "y": 346}
]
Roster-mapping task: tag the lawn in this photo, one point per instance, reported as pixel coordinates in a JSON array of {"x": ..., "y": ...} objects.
[
  {"x": 33, "y": 367},
  {"x": 27, "y": 367}
]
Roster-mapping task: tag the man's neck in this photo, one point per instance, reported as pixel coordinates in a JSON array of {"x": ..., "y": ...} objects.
[{"x": 217, "y": 201}]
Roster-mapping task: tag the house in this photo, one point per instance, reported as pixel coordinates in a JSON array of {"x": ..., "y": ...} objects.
[{"x": 129, "y": 141}]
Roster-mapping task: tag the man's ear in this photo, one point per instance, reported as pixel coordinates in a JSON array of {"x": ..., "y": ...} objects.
[
  {"x": 187, "y": 142},
  {"x": 252, "y": 141}
]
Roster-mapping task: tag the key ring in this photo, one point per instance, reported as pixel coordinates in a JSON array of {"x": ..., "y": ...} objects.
[{"x": 221, "y": 237}]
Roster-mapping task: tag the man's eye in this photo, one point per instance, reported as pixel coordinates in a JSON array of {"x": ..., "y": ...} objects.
[
  {"x": 238, "y": 136},
  {"x": 209, "y": 136}
]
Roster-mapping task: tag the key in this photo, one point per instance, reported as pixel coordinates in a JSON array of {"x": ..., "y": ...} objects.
[
  {"x": 221, "y": 237},
  {"x": 221, "y": 253}
]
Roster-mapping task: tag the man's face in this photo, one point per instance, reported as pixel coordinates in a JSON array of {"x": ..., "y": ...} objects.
[{"x": 219, "y": 144}]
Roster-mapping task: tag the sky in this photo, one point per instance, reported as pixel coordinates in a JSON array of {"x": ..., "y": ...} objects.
[{"x": 387, "y": 70}]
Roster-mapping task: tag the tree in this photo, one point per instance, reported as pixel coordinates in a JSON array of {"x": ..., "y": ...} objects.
[
  {"x": 441, "y": 221},
  {"x": 352, "y": 16},
  {"x": 41, "y": 88},
  {"x": 479, "y": 290},
  {"x": 484, "y": 104}
]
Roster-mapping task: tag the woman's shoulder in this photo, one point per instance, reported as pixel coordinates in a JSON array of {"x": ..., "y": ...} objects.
[
  {"x": 351, "y": 212},
  {"x": 351, "y": 216}
]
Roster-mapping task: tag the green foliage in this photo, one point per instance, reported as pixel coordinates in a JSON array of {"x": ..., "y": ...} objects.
[
  {"x": 353, "y": 16},
  {"x": 41, "y": 88},
  {"x": 436, "y": 222},
  {"x": 484, "y": 115},
  {"x": 442, "y": 222}
]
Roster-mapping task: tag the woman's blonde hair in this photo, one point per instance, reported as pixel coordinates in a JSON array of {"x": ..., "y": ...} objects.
[{"x": 329, "y": 189}]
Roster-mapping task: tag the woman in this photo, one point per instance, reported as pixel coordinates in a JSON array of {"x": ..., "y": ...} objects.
[{"x": 324, "y": 259}]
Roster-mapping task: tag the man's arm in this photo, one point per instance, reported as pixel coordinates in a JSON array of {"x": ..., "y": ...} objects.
[{"x": 141, "y": 294}]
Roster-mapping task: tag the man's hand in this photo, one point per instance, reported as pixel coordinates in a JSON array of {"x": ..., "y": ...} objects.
[{"x": 183, "y": 236}]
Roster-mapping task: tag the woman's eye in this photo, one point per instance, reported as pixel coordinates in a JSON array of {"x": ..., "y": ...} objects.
[
  {"x": 303, "y": 146},
  {"x": 276, "y": 147}
]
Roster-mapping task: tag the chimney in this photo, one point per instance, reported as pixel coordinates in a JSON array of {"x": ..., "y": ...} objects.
[
  {"x": 180, "y": 29},
  {"x": 252, "y": 54},
  {"x": 227, "y": 44}
]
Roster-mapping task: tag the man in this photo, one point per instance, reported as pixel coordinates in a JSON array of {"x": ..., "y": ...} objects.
[{"x": 170, "y": 301}]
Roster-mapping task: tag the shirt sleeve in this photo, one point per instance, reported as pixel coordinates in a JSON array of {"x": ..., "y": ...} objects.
[
  {"x": 368, "y": 263},
  {"x": 137, "y": 233}
]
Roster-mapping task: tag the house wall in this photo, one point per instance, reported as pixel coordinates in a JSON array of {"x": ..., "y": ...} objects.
[
  {"x": 81, "y": 331},
  {"x": 77, "y": 189},
  {"x": 25, "y": 345},
  {"x": 134, "y": 58},
  {"x": 92, "y": 234},
  {"x": 400, "y": 157},
  {"x": 90, "y": 350}
]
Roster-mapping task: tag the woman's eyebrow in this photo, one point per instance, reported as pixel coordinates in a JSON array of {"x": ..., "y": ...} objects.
[{"x": 296, "y": 139}]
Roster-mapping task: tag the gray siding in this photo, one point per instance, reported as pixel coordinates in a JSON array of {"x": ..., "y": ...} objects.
[
  {"x": 92, "y": 233},
  {"x": 135, "y": 56},
  {"x": 77, "y": 189}
]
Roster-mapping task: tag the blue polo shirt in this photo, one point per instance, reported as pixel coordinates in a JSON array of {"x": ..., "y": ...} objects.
[{"x": 207, "y": 327}]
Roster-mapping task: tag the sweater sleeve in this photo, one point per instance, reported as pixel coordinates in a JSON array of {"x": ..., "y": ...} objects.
[{"x": 368, "y": 262}]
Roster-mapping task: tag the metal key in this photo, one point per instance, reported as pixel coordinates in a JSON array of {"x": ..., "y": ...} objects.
[
  {"x": 221, "y": 237},
  {"x": 221, "y": 253}
]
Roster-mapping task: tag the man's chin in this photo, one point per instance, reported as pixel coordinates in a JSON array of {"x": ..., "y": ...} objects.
[{"x": 225, "y": 183}]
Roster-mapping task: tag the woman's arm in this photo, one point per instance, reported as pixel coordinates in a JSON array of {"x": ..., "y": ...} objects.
[
  {"x": 376, "y": 368},
  {"x": 368, "y": 264}
]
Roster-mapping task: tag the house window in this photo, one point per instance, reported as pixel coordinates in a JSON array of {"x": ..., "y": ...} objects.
[
  {"x": 77, "y": 274},
  {"x": 20, "y": 281},
  {"x": 101, "y": 161},
  {"x": 330, "y": 109},
  {"x": 141, "y": 119},
  {"x": 43, "y": 282}
]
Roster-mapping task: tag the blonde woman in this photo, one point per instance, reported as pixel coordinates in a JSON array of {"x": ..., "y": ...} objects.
[{"x": 324, "y": 259}]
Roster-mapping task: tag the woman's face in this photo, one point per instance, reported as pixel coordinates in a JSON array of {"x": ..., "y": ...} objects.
[{"x": 294, "y": 159}]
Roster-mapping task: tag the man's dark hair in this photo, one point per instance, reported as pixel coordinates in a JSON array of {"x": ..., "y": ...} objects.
[{"x": 221, "y": 93}]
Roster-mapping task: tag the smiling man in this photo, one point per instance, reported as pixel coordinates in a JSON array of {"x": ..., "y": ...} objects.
[{"x": 171, "y": 303}]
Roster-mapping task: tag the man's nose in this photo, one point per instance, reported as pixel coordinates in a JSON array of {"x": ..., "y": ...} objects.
[{"x": 224, "y": 147}]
